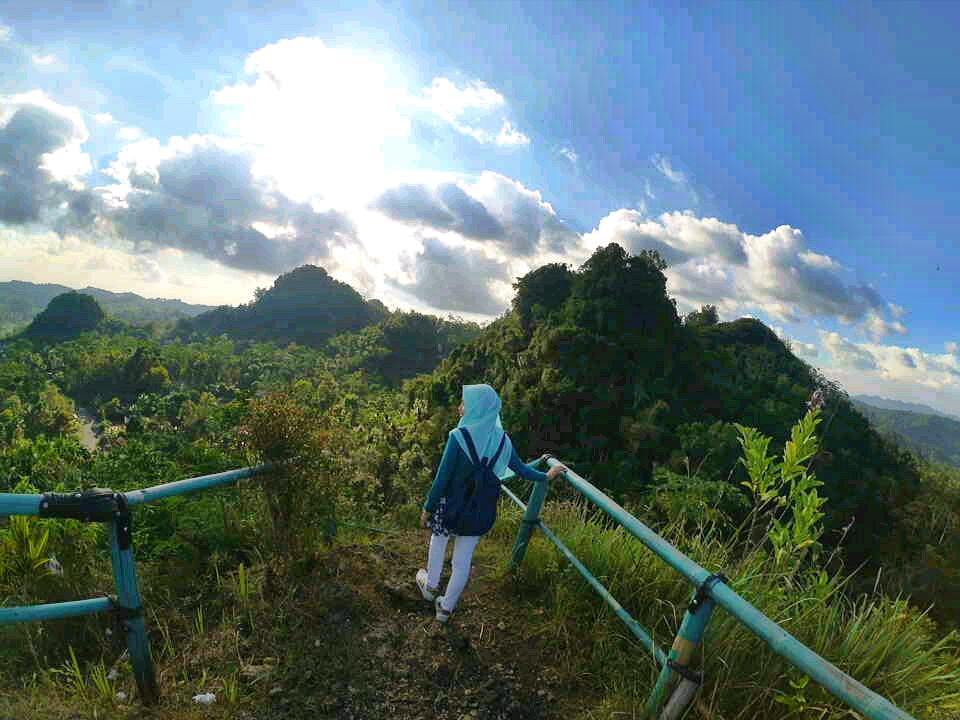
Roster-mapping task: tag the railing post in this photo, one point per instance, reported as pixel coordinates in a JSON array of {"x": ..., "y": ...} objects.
[
  {"x": 531, "y": 518},
  {"x": 687, "y": 640},
  {"x": 129, "y": 606}
]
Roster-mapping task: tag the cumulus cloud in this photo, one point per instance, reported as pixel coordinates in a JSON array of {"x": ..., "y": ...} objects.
[
  {"x": 104, "y": 118},
  {"x": 677, "y": 236},
  {"x": 848, "y": 354},
  {"x": 895, "y": 364},
  {"x": 952, "y": 348},
  {"x": 5, "y": 32},
  {"x": 200, "y": 195},
  {"x": 455, "y": 279},
  {"x": 494, "y": 207},
  {"x": 713, "y": 261},
  {"x": 41, "y": 160},
  {"x": 877, "y": 328}
]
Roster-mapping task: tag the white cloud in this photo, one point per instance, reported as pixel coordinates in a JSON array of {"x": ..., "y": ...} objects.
[
  {"x": 663, "y": 164},
  {"x": 104, "y": 118},
  {"x": 510, "y": 136},
  {"x": 48, "y": 61},
  {"x": 67, "y": 162},
  {"x": 896, "y": 310},
  {"x": 569, "y": 154},
  {"x": 5, "y": 32},
  {"x": 711, "y": 261},
  {"x": 130, "y": 134},
  {"x": 472, "y": 109},
  {"x": 451, "y": 103},
  {"x": 876, "y": 327},
  {"x": 952, "y": 347},
  {"x": 648, "y": 190},
  {"x": 896, "y": 363}
]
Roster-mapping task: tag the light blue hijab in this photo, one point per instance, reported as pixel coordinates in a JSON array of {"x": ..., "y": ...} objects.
[{"x": 481, "y": 418}]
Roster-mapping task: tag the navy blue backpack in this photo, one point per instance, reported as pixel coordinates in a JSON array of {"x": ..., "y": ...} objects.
[{"x": 471, "y": 507}]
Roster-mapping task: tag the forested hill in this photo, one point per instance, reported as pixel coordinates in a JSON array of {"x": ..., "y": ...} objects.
[
  {"x": 935, "y": 437},
  {"x": 597, "y": 366},
  {"x": 21, "y": 301},
  {"x": 305, "y": 306}
]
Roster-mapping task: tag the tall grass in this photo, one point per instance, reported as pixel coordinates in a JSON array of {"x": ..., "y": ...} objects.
[
  {"x": 885, "y": 643},
  {"x": 773, "y": 562}
]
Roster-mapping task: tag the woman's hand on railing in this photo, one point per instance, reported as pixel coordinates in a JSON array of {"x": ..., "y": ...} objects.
[{"x": 557, "y": 469}]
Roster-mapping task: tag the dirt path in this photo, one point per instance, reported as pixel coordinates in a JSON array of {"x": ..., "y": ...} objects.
[
  {"x": 375, "y": 651},
  {"x": 86, "y": 433}
]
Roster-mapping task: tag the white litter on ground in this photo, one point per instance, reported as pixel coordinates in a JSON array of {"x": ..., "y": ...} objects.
[{"x": 205, "y": 698}]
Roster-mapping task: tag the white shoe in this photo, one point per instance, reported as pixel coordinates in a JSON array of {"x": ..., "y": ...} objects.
[
  {"x": 442, "y": 614},
  {"x": 429, "y": 593}
]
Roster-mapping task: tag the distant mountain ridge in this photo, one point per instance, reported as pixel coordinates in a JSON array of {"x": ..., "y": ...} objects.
[
  {"x": 888, "y": 404},
  {"x": 934, "y": 437},
  {"x": 21, "y": 302}
]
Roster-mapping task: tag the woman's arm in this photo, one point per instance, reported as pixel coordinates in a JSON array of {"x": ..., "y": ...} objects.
[
  {"x": 447, "y": 465},
  {"x": 527, "y": 472}
]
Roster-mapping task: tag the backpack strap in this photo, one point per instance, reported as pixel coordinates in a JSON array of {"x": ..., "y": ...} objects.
[
  {"x": 496, "y": 456},
  {"x": 471, "y": 448}
]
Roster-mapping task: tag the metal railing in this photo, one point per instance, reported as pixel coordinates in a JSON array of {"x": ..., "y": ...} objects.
[
  {"x": 677, "y": 682},
  {"x": 112, "y": 508}
]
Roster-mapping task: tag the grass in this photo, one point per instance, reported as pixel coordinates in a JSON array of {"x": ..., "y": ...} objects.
[{"x": 885, "y": 643}]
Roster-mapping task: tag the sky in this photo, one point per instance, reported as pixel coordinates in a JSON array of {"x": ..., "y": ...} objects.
[{"x": 793, "y": 162}]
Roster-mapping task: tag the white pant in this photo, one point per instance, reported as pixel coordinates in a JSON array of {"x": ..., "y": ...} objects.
[{"x": 463, "y": 547}]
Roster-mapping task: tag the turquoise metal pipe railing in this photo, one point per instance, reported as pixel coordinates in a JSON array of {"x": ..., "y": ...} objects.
[
  {"x": 710, "y": 591},
  {"x": 113, "y": 508}
]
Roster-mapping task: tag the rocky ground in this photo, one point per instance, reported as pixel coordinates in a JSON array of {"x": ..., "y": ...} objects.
[{"x": 377, "y": 651}]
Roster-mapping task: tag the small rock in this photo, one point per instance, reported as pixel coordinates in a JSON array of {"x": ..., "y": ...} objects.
[
  {"x": 121, "y": 696},
  {"x": 205, "y": 698}
]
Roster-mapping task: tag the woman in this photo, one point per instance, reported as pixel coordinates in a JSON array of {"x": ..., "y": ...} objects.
[{"x": 480, "y": 417}]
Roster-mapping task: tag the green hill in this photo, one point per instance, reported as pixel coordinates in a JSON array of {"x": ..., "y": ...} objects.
[
  {"x": 596, "y": 365},
  {"x": 933, "y": 437},
  {"x": 305, "y": 306},
  {"x": 21, "y": 301},
  {"x": 66, "y": 317}
]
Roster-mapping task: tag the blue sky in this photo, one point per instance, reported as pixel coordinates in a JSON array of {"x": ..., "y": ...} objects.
[{"x": 793, "y": 161}]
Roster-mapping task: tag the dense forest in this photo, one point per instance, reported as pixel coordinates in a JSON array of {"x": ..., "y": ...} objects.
[{"x": 684, "y": 420}]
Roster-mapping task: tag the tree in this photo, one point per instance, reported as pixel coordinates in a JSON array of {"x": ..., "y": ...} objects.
[
  {"x": 540, "y": 292},
  {"x": 706, "y": 316}
]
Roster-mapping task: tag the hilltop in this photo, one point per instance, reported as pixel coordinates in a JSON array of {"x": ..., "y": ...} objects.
[{"x": 306, "y": 306}]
